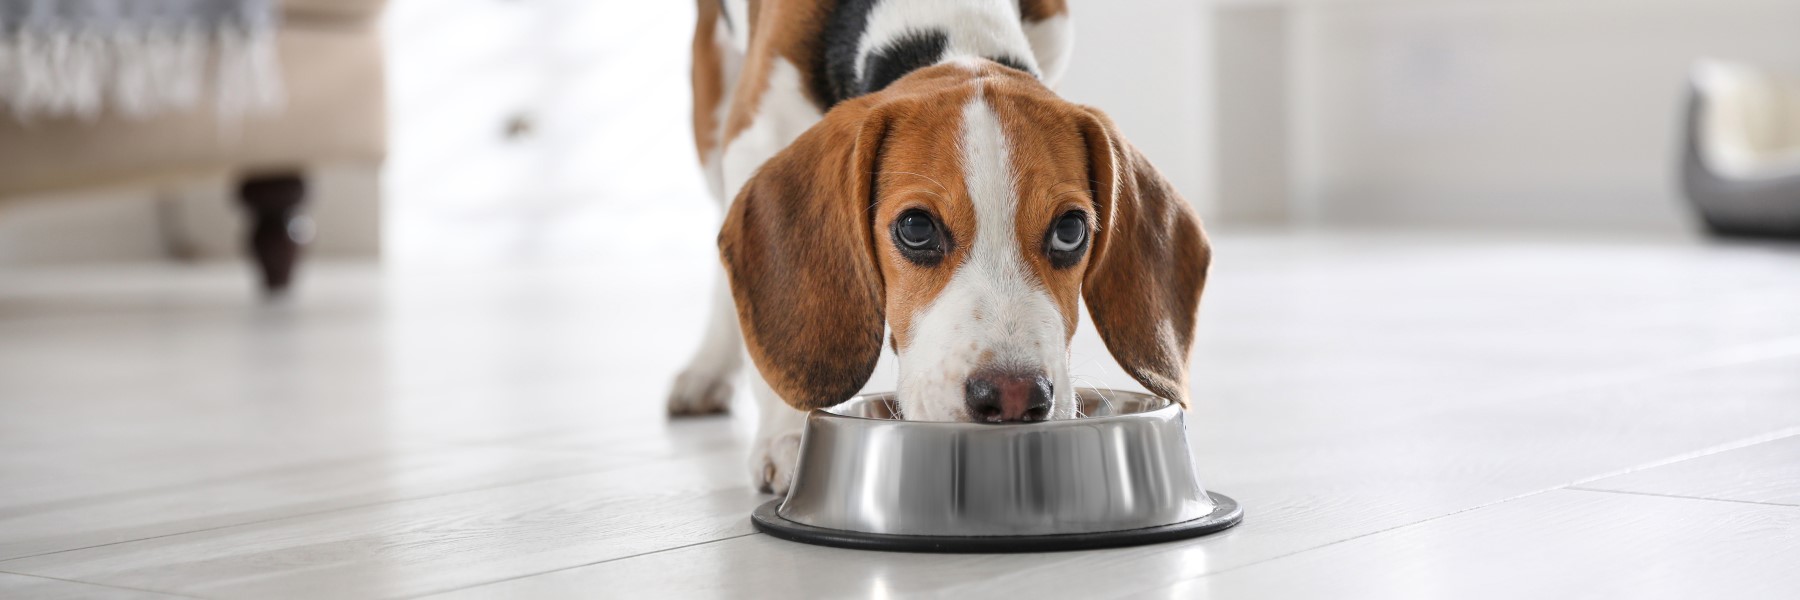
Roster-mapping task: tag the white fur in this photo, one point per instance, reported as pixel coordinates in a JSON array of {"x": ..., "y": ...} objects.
[
  {"x": 1052, "y": 40},
  {"x": 993, "y": 305},
  {"x": 982, "y": 28},
  {"x": 777, "y": 444}
]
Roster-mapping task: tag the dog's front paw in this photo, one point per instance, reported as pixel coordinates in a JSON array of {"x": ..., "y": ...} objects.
[
  {"x": 772, "y": 462},
  {"x": 701, "y": 391}
]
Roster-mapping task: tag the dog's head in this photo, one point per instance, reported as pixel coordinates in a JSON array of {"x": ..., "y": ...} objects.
[{"x": 971, "y": 209}]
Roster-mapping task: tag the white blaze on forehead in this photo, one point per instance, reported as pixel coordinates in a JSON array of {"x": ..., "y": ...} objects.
[
  {"x": 993, "y": 313},
  {"x": 987, "y": 162}
]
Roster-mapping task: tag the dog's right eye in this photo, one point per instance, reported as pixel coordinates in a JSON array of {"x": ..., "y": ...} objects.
[
  {"x": 919, "y": 238},
  {"x": 917, "y": 231}
]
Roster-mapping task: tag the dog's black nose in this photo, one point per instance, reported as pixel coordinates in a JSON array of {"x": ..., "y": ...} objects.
[{"x": 996, "y": 397}]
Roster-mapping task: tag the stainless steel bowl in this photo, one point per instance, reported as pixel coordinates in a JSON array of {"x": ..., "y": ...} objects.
[{"x": 1119, "y": 475}]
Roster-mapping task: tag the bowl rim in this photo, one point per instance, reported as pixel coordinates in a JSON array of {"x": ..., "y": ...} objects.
[
  {"x": 1168, "y": 408},
  {"x": 1226, "y": 514}
]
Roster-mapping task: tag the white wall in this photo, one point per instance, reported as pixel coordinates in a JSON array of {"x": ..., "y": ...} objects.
[
  {"x": 1251, "y": 139},
  {"x": 1509, "y": 113},
  {"x": 1144, "y": 62}
]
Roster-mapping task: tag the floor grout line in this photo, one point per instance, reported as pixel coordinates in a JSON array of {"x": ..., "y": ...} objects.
[
  {"x": 105, "y": 585},
  {"x": 13, "y": 512},
  {"x": 560, "y": 569},
  {"x": 1779, "y": 434},
  {"x": 1681, "y": 497},
  {"x": 410, "y": 449}
]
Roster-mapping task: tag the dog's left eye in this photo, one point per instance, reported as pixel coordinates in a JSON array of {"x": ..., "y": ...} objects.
[
  {"x": 1070, "y": 232},
  {"x": 1066, "y": 240}
]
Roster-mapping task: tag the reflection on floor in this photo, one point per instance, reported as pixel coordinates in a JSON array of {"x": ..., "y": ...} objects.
[{"x": 1401, "y": 415}]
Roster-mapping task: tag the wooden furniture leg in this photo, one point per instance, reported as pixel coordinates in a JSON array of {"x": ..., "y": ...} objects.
[{"x": 277, "y": 227}]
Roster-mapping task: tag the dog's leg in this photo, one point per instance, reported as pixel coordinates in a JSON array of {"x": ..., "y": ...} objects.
[
  {"x": 777, "y": 445},
  {"x": 705, "y": 386}
]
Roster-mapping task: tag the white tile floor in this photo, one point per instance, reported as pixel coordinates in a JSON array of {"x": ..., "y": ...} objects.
[{"x": 1402, "y": 415}]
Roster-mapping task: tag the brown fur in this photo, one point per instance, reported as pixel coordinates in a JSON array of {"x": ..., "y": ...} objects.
[
  {"x": 781, "y": 29},
  {"x": 797, "y": 249},
  {"x": 1038, "y": 10},
  {"x": 1148, "y": 264},
  {"x": 708, "y": 77},
  {"x": 920, "y": 168}
]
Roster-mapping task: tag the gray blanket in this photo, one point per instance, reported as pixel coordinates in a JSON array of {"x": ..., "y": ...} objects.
[{"x": 137, "y": 58}]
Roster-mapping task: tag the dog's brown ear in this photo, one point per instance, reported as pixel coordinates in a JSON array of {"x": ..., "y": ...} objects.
[
  {"x": 1148, "y": 265},
  {"x": 799, "y": 251}
]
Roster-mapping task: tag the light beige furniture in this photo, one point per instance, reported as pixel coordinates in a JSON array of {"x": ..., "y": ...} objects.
[
  {"x": 1741, "y": 152},
  {"x": 332, "y": 72}
]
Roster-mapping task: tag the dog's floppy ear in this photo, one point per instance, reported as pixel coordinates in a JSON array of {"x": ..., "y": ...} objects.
[
  {"x": 799, "y": 251},
  {"x": 1148, "y": 265}
]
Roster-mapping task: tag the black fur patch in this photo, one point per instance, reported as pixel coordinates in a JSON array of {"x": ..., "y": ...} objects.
[
  {"x": 834, "y": 75},
  {"x": 1013, "y": 63},
  {"x": 911, "y": 52}
]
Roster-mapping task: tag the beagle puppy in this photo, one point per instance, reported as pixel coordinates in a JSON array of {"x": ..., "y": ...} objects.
[{"x": 901, "y": 169}]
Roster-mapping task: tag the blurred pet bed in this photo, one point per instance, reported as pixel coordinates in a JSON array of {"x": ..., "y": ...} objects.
[{"x": 1741, "y": 155}]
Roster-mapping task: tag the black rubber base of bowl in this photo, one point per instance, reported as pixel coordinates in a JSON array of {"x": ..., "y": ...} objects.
[{"x": 1225, "y": 514}]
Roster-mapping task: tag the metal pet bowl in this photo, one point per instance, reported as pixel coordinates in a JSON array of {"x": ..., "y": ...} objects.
[{"x": 1120, "y": 475}]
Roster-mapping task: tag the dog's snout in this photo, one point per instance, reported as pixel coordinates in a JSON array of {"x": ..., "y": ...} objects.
[{"x": 995, "y": 397}]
